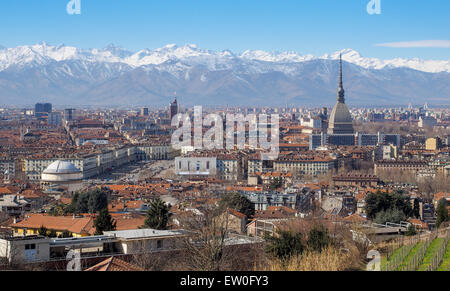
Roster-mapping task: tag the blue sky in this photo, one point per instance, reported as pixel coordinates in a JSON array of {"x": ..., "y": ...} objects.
[{"x": 306, "y": 26}]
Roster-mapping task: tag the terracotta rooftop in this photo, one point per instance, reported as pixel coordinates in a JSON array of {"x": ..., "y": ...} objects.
[
  {"x": 81, "y": 225},
  {"x": 236, "y": 213},
  {"x": 114, "y": 264}
]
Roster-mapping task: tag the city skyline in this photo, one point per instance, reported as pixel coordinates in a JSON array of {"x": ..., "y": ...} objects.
[{"x": 206, "y": 136}]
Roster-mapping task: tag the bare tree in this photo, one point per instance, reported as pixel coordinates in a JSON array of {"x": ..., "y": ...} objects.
[{"x": 204, "y": 251}]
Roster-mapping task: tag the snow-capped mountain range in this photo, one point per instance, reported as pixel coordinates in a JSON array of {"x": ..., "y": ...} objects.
[
  {"x": 113, "y": 75},
  {"x": 192, "y": 55}
]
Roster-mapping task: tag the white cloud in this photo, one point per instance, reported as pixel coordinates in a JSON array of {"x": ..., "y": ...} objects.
[{"x": 417, "y": 44}]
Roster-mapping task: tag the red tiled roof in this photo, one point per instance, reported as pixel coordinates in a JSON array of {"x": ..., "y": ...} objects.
[
  {"x": 355, "y": 218},
  {"x": 236, "y": 213},
  {"x": 82, "y": 225},
  {"x": 114, "y": 264}
]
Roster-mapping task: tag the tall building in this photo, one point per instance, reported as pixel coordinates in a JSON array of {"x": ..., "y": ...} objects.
[
  {"x": 69, "y": 114},
  {"x": 173, "y": 109},
  {"x": 144, "y": 111},
  {"x": 55, "y": 118},
  {"x": 41, "y": 109},
  {"x": 341, "y": 121}
]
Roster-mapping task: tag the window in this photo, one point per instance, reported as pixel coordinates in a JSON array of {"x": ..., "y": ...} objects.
[
  {"x": 159, "y": 244},
  {"x": 30, "y": 247}
]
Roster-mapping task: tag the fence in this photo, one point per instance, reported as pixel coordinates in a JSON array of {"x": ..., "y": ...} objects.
[
  {"x": 400, "y": 248},
  {"x": 397, "y": 260},
  {"x": 437, "y": 258}
]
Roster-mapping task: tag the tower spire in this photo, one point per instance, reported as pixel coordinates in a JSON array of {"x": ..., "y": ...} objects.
[
  {"x": 340, "y": 71},
  {"x": 341, "y": 91}
]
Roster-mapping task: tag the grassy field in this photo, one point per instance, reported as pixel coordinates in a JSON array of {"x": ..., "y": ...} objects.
[
  {"x": 397, "y": 254},
  {"x": 403, "y": 257},
  {"x": 434, "y": 247},
  {"x": 410, "y": 256},
  {"x": 445, "y": 266}
]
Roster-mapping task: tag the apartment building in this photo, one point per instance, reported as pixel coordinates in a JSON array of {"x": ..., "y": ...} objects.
[
  {"x": 263, "y": 200},
  {"x": 7, "y": 166},
  {"x": 305, "y": 166},
  {"x": 90, "y": 164},
  {"x": 14, "y": 205},
  {"x": 412, "y": 166},
  {"x": 152, "y": 152},
  {"x": 222, "y": 165}
]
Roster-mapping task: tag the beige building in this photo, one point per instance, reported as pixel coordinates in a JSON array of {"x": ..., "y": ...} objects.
[
  {"x": 313, "y": 167},
  {"x": 154, "y": 152},
  {"x": 90, "y": 164},
  {"x": 433, "y": 144},
  {"x": 25, "y": 249},
  {"x": 403, "y": 166},
  {"x": 234, "y": 220},
  {"x": 147, "y": 240}
]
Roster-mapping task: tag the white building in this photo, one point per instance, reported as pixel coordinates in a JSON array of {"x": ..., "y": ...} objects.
[
  {"x": 25, "y": 249},
  {"x": 147, "y": 240},
  {"x": 196, "y": 166},
  {"x": 62, "y": 173},
  {"x": 14, "y": 205}
]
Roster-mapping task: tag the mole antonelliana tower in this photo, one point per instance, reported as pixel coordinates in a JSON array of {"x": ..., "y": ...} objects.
[{"x": 341, "y": 121}]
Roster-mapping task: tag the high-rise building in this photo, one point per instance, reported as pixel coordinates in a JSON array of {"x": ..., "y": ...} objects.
[
  {"x": 69, "y": 114},
  {"x": 144, "y": 111},
  {"x": 55, "y": 118},
  {"x": 41, "y": 109},
  {"x": 173, "y": 109},
  {"x": 341, "y": 121}
]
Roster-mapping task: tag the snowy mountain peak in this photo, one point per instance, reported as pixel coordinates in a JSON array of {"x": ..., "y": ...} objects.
[
  {"x": 117, "y": 51},
  {"x": 347, "y": 55},
  {"x": 191, "y": 54}
]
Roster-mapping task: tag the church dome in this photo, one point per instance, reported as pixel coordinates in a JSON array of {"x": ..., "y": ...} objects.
[
  {"x": 61, "y": 171},
  {"x": 61, "y": 167},
  {"x": 340, "y": 114}
]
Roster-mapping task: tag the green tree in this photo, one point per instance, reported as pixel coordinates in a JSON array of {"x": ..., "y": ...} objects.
[
  {"x": 104, "y": 222},
  {"x": 239, "y": 203},
  {"x": 411, "y": 230},
  {"x": 275, "y": 184},
  {"x": 442, "y": 212},
  {"x": 89, "y": 202},
  {"x": 52, "y": 233},
  {"x": 380, "y": 205},
  {"x": 43, "y": 231},
  {"x": 390, "y": 215},
  {"x": 284, "y": 245},
  {"x": 402, "y": 203},
  {"x": 416, "y": 209},
  {"x": 97, "y": 200},
  {"x": 65, "y": 234},
  {"x": 372, "y": 205},
  {"x": 158, "y": 215},
  {"x": 80, "y": 203},
  {"x": 318, "y": 238}
]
